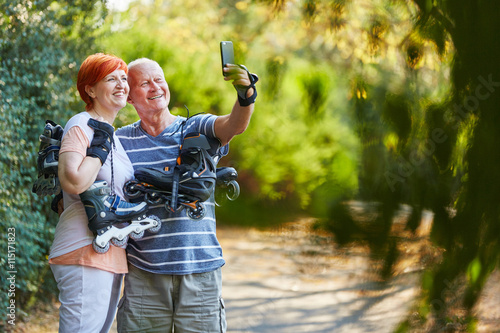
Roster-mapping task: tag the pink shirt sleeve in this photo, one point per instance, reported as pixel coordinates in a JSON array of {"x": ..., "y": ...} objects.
[{"x": 76, "y": 141}]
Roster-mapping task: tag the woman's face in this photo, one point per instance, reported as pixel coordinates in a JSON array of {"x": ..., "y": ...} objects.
[{"x": 111, "y": 92}]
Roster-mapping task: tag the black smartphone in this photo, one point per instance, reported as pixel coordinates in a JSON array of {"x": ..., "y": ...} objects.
[{"x": 226, "y": 54}]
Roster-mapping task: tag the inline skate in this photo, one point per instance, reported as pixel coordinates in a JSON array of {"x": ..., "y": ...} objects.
[
  {"x": 48, "y": 159},
  {"x": 185, "y": 186},
  {"x": 112, "y": 219},
  {"x": 226, "y": 186}
]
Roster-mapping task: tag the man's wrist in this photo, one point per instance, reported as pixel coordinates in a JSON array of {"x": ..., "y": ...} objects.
[
  {"x": 247, "y": 94},
  {"x": 249, "y": 99}
]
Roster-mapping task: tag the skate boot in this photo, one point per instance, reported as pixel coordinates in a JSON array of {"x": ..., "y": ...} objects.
[
  {"x": 187, "y": 185},
  {"x": 113, "y": 219},
  {"x": 48, "y": 159},
  {"x": 226, "y": 186}
]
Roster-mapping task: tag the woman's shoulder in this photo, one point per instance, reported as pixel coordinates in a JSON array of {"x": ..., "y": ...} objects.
[{"x": 79, "y": 120}]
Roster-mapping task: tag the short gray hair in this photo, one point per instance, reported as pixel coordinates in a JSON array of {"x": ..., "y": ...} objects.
[{"x": 140, "y": 61}]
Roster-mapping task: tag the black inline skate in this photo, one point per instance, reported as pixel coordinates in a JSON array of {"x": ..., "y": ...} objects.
[
  {"x": 113, "y": 219},
  {"x": 226, "y": 186},
  {"x": 48, "y": 159},
  {"x": 187, "y": 185}
]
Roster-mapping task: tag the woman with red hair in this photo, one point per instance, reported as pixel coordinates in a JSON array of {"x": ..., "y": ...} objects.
[{"x": 89, "y": 282}]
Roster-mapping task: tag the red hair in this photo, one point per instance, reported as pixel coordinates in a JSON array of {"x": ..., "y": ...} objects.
[{"x": 93, "y": 70}]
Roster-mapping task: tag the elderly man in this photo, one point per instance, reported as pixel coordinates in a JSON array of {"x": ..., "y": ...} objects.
[{"x": 174, "y": 279}]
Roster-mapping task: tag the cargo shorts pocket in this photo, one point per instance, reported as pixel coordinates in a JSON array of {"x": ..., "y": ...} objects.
[{"x": 222, "y": 316}]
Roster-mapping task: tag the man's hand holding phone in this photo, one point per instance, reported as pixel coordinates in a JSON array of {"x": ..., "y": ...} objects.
[
  {"x": 243, "y": 80},
  {"x": 226, "y": 55}
]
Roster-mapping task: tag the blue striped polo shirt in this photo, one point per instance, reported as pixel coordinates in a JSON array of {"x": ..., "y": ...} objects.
[{"x": 182, "y": 246}]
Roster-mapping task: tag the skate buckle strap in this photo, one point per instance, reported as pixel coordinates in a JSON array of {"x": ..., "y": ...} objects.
[
  {"x": 115, "y": 203},
  {"x": 175, "y": 189},
  {"x": 104, "y": 190},
  {"x": 45, "y": 139}
]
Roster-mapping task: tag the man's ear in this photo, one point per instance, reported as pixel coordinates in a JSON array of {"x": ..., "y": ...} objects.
[{"x": 129, "y": 100}]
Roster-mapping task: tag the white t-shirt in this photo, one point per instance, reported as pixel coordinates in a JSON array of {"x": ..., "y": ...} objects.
[{"x": 72, "y": 231}]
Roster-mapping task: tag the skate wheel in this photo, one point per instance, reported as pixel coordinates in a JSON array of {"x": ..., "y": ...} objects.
[
  {"x": 233, "y": 190},
  {"x": 130, "y": 190},
  {"x": 156, "y": 228},
  {"x": 99, "y": 249},
  {"x": 153, "y": 198},
  {"x": 169, "y": 208},
  {"x": 220, "y": 196},
  {"x": 198, "y": 213},
  {"x": 119, "y": 243},
  {"x": 137, "y": 235}
]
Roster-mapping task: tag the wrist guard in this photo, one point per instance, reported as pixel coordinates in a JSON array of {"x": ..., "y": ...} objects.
[
  {"x": 242, "y": 90},
  {"x": 102, "y": 141}
]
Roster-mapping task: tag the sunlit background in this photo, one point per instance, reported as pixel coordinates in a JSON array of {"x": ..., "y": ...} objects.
[{"x": 372, "y": 116}]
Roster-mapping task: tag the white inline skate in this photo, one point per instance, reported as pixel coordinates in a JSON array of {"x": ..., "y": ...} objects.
[{"x": 112, "y": 219}]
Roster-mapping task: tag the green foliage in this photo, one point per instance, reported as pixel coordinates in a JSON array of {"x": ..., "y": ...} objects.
[
  {"x": 303, "y": 135},
  {"x": 40, "y": 52},
  {"x": 300, "y": 122},
  {"x": 425, "y": 84},
  {"x": 474, "y": 271},
  {"x": 388, "y": 102}
]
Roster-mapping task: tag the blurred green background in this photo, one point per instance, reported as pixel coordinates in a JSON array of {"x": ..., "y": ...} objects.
[{"x": 386, "y": 102}]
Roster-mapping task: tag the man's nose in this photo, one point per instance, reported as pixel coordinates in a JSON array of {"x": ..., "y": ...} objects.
[{"x": 155, "y": 86}]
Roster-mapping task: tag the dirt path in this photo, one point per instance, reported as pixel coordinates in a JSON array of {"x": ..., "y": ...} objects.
[{"x": 288, "y": 279}]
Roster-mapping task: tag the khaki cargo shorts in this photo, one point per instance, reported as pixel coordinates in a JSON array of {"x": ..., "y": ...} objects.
[{"x": 166, "y": 303}]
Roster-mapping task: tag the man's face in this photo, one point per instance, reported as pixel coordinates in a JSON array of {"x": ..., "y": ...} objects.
[{"x": 148, "y": 88}]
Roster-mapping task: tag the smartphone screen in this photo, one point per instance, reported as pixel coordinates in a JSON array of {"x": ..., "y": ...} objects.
[{"x": 226, "y": 53}]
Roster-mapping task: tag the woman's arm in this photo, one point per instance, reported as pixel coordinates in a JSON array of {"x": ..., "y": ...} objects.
[
  {"x": 76, "y": 172},
  {"x": 80, "y": 163}
]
